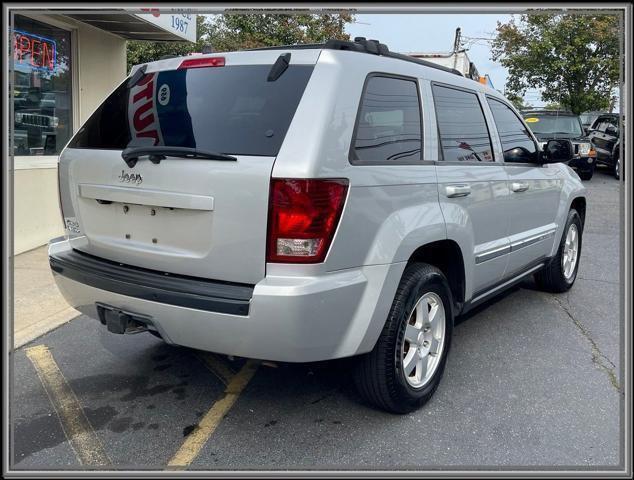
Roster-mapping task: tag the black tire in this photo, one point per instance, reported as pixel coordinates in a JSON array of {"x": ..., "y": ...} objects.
[
  {"x": 379, "y": 375},
  {"x": 586, "y": 174},
  {"x": 551, "y": 278},
  {"x": 616, "y": 168}
]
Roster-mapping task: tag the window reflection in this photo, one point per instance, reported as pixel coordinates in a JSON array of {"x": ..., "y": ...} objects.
[
  {"x": 517, "y": 143},
  {"x": 461, "y": 125},
  {"x": 42, "y": 87},
  {"x": 389, "y": 128}
]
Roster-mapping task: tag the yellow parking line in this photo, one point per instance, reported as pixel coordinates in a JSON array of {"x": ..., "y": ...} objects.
[
  {"x": 81, "y": 436},
  {"x": 216, "y": 366},
  {"x": 206, "y": 427}
]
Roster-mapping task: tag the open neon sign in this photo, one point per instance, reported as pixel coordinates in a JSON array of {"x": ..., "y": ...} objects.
[{"x": 38, "y": 52}]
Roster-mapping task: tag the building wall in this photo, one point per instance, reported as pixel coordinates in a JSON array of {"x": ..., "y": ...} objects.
[
  {"x": 36, "y": 215},
  {"x": 101, "y": 66}
]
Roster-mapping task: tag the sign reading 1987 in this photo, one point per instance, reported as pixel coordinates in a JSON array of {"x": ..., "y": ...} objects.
[
  {"x": 181, "y": 24},
  {"x": 178, "y": 22}
]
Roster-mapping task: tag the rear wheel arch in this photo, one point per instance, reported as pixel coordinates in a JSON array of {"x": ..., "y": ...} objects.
[
  {"x": 447, "y": 256},
  {"x": 383, "y": 375}
]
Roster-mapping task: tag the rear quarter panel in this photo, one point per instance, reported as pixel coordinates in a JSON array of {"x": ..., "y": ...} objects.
[{"x": 391, "y": 209}]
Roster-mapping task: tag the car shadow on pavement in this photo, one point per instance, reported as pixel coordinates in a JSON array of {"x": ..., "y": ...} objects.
[{"x": 319, "y": 381}]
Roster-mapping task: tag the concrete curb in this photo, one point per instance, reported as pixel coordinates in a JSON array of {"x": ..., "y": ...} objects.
[{"x": 31, "y": 332}]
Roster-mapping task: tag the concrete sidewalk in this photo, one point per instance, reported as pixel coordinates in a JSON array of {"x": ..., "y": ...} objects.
[{"x": 38, "y": 305}]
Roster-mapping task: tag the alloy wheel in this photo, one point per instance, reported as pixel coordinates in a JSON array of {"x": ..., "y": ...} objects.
[
  {"x": 571, "y": 251},
  {"x": 424, "y": 340}
]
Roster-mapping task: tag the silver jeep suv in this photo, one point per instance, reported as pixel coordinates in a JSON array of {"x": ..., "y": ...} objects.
[{"x": 308, "y": 203}]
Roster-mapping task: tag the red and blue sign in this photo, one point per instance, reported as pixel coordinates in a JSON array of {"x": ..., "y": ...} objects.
[
  {"x": 34, "y": 51},
  {"x": 157, "y": 110}
]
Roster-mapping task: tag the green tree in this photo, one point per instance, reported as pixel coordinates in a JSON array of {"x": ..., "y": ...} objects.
[
  {"x": 572, "y": 58},
  {"x": 238, "y": 31},
  {"x": 241, "y": 31},
  {"x": 142, "y": 51}
]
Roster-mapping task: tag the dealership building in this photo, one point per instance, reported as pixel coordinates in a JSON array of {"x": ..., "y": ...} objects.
[{"x": 63, "y": 67}]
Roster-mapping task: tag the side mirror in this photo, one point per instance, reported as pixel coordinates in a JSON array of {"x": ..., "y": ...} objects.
[
  {"x": 586, "y": 131},
  {"x": 558, "y": 150},
  {"x": 519, "y": 155}
]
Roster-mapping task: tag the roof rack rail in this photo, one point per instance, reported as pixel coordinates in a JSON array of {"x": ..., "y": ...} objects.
[
  {"x": 298, "y": 46},
  {"x": 362, "y": 45}
]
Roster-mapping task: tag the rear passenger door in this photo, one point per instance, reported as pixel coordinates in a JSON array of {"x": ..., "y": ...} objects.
[
  {"x": 472, "y": 187},
  {"x": 600, "y": 139},
  {"x": 535, "y": 190},
  {"x": 611, "y": 133}
]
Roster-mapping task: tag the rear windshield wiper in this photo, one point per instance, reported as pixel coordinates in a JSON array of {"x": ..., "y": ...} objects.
[
  {"x": 279, "y": 67},
  {"x": 157, "y": 153},
  {"x": 138, "y": 75}
]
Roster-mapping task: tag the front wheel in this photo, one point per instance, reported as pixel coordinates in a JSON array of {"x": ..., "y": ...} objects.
[
  {"x": 404, "y": 369},
  {"x": 560, "y": 273},
  {"x": 586, "y": 174}
]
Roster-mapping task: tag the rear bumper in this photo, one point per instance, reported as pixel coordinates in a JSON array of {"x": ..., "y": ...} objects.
[
  {"x": 290, "y": 319},
  {"x": 177, "y": 290}
]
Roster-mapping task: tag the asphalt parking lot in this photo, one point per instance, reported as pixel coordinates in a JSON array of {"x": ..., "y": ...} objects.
[{"x": 533, "y": 380}]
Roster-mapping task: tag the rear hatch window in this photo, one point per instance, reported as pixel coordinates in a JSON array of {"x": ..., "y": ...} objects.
[{"x": 228, "y": 109}]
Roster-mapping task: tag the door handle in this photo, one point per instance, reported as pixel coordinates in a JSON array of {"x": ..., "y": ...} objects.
[
  {"x": 519, "y": 186},
  {"x": 453, "y": 191}
]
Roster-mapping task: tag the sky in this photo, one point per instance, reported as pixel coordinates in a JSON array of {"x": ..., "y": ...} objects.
[{"x": 429, "y": 32}]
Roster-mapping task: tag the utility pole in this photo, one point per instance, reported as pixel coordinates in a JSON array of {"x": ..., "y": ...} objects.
[
  {"x": 456, "y": 42},
  {"x": 456, "y": 47}
]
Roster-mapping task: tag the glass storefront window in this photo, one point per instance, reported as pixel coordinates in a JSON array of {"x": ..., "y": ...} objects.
[{"x": 42, "y": 87}]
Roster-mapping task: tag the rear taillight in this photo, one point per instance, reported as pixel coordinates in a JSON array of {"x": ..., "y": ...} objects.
[
  {"x": 202, "y": 62},
  {"x": 303, "y": 217}
]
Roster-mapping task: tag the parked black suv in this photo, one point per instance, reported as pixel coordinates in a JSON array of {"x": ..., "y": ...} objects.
[
  {"x": 549, "y": 124},
  {"x": 588, "y": 118},
  {"x": 605, "y": 138}
]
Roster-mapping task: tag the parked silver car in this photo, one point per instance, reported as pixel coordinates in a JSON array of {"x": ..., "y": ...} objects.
[{"x": 308, "y": 203}]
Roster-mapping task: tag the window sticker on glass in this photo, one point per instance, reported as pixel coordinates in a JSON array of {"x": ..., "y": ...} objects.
[{"x": 531, "y": 120}]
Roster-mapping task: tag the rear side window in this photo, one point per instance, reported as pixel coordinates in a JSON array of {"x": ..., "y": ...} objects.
[
  {"x": 461, "y": 126},
  {"x": 602, "y": 123},
  {"x": 517, "y": 143},
  {"x": 232, "y": 110},
  {"x": 388, "y": 126},
  {"x": 598, "y": 124}
]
